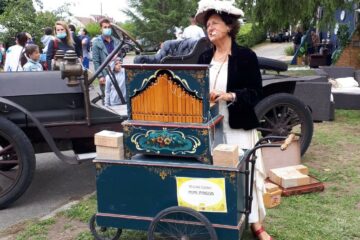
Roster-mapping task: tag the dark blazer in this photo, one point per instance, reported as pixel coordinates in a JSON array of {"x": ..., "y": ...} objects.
[
  {"x": 52, "y": 48},
  {"x": 244, "y": 79}
]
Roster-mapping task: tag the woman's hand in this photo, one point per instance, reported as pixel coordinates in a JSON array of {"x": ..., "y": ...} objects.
[{"x": 216, "y": 96}]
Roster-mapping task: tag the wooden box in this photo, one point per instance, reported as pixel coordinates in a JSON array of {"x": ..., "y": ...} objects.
[
  {"x": 109, "y": 139},
  {"x": 314, "y": 186},
  {"x": 272, "y": 197},
  {"x": 276, "y": 158},
  {"x": 289, "y": 176},
  {"x": 111, "y": 153},
  {"x": 226, "y": 155}
]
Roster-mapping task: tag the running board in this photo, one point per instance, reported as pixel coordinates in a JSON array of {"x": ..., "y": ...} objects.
[{"x": 86, "y": 156}]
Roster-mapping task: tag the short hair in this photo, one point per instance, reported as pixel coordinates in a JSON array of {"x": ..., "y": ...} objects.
[
  {"x": 85, "y": 31},
  {"x": 230, "y": 20},
  {"x": 104, "y": 20},
  {"x": 48, "y": 31},
  {"x": 72, "y": 27},
  {"x": 21, "y": 38},
  {"x": 29, "y": 49}
]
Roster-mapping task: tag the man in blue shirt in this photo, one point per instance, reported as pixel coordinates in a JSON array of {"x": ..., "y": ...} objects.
[{"x": 103, "y": 45}]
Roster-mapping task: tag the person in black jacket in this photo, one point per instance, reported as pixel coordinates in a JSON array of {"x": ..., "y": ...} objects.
[
  {"x": 62, "y": 41},
  {"x": 235, "y": 82},
  {"x": 77, "y": 41}
]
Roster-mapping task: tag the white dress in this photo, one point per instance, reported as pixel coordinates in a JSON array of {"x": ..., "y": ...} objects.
[{"x": 245, "y": 139}]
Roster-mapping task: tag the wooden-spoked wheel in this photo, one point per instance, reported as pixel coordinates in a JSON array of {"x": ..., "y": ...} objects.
[
  {"x": 103, "y": 233},
  {"x": 282, "y": 113},
  {"x": 180, "y": 223},
  {"x": 17, "y": 162}
]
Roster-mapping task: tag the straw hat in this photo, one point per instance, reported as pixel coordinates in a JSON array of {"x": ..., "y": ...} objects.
[{"x": 219, "y": 6}]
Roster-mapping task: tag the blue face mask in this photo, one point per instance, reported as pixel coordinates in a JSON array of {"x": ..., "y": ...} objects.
[
  {"x": 61, "y": 35},
  {"x": 106, "y": 31}
]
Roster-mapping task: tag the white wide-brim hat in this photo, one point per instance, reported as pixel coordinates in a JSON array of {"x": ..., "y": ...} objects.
[{"x": 219, "y": 6}]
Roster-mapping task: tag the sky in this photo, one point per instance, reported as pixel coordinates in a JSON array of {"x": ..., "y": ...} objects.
[{"x": 84, "y": 8}]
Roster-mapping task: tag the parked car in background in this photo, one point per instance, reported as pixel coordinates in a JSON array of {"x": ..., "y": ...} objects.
[{"x": 283, "y": 36}]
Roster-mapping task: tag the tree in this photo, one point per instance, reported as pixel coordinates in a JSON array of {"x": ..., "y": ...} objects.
[
  {"x": 155, "y": 19},
  {"x": 277, "y": 14},
  {"x": 20, "y": 16},
  {"x": 93, "y": 29},
  {"x": 17, "y": 17}
]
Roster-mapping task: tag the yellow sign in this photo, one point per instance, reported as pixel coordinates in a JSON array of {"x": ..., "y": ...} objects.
[{"x": 202, "y": 194}]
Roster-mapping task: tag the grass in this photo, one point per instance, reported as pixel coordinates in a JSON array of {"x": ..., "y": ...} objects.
[
  {"x": 333, "y": 157},
  {"x": 36, "y": 230},
  {"x": 335, "y": 213},
  {"x": 294, "y": 73}
]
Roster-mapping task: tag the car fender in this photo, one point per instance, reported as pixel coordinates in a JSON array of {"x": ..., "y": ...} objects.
[{"x": 48, "y": 138}]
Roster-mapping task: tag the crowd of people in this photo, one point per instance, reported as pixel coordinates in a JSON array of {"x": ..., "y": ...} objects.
[
  {"x": 27, "y": 56},
  {"x": 60, "y": 37}
]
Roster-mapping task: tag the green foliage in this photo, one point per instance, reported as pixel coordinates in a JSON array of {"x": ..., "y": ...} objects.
[
  {"x": 36, "y": 230},
  {"x": 155, "y": 19},
  {"x": 20, "y": 16},
  {"x": 93, "y": 29},
  {"x": 129, "y": 27},
  {"x": 277, "y": 14},
  {"x": 82, "y": 211},
  {"x": 343, "y": 36},
  {"x": 250, "y": 35},
  {"x": 289, "y": 51}
]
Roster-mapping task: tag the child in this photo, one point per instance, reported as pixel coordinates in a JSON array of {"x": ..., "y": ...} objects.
[
  {"x": 111, "y": 96},
  {"x": 31, "y": 58}
]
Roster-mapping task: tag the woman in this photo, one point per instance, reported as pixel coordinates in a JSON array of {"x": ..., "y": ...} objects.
[
  {"x": 235, "y": 82},
  {"x": 62, "y": 41},
  {"x": 13, "y": 54}
]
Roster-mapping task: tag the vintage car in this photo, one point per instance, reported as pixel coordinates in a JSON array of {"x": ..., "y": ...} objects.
[{"x": 52, "y": 112}]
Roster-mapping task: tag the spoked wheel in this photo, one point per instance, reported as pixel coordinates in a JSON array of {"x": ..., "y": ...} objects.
[
  {"x": 17, "y": 162},
  {"x": 282, "y": 113},
  {"x": 103, "y": 233},
  {"x": 180, "y": 223}
]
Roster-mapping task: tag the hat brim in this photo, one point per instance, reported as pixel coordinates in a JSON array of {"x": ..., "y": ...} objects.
[
  {"x": 204, "y": 6},
  {"x": 200, "y": 17}
]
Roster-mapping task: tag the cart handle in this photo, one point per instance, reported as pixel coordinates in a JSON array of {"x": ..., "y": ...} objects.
[{"x": 287, "y": 142}]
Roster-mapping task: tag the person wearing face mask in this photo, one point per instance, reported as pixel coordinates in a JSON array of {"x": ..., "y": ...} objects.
[
  {"x": 236, "y": 84},
  {"x": 103, "y": 45},
  {"x": 62, "y": 41},
  {"x": 30, "y": 59}
]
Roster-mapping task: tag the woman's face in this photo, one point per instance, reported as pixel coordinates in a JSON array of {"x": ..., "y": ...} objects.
[
  {"x": 59, "y": 29},
  {"x": 216, "y": 28}
]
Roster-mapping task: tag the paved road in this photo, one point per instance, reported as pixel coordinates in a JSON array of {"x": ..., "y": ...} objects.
[
  {"x": 273, "y": 50},
  {"x": 55, "y": 184}
]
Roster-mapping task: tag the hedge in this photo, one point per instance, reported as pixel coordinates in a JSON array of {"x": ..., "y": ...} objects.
[{"x": 250, "y": 35}]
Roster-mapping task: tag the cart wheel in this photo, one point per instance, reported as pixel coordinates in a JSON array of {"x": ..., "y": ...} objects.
[
  {"x": 181, "y": 223},
  {"x": 103, "y": 233},
  {"x": 17, "y": 162}
]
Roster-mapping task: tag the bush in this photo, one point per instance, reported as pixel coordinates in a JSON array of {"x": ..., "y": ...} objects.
[
  {"x": 289, "y": 51},
  {"x": 250, "y": 35},
  {"x": 93, "y": 29}
]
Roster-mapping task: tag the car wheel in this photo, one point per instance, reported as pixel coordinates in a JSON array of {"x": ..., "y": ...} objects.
[
  {"x": 282, "y": 113},
  {"x": 17, "y": 162}
]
